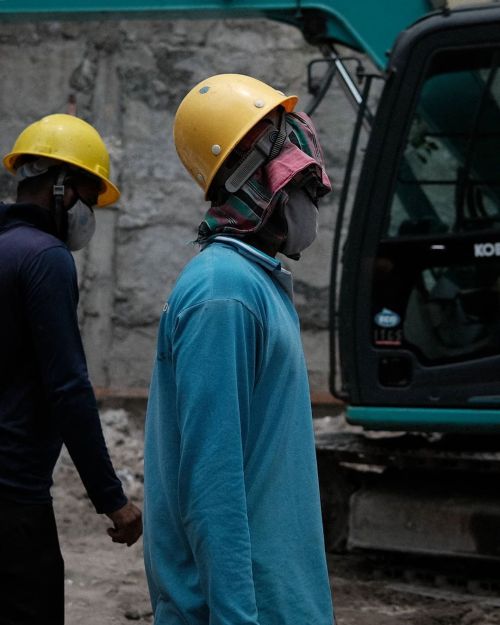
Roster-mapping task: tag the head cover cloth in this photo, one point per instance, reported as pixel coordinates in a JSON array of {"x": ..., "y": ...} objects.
[{"x": 300, "y": 164}]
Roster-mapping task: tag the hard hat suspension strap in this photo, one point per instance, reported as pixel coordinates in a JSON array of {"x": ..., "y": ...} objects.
[
  {"x": 266, "y": 148},
  {"x": 59, "y": 212},
  {"x": 279, "y": 138}
]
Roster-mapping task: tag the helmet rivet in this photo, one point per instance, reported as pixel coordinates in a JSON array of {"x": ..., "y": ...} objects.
[
  {"x": 199, "y": 177},
  {"x": 216, "y": 149},
  {"x": 259, "y": 103}
]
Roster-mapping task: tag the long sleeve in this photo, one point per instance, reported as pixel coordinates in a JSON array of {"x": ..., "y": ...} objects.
[
  {"x": 232, "y": 513},
  {"x": 51, "y": 297},
  {"x": 215, "y": 350}
]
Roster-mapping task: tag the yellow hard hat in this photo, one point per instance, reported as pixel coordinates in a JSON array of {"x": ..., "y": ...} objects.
[
  {"x": 71, "y": 140},
  {"x": 215, "y": 115}
]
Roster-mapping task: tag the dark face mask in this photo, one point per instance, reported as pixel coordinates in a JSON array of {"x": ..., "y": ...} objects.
[{"x": 301, "y": 216}]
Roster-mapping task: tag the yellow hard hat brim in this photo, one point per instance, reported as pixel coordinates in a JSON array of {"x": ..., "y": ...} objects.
[{"x": 109, "y": 194}]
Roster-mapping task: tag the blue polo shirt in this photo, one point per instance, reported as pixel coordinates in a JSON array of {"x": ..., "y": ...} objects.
[
  {"x": 233, "y": 532},
  {"x": 45, "y": 395}
]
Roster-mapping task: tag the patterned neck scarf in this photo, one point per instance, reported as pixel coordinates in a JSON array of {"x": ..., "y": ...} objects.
[{"x": 257, "y": 207}]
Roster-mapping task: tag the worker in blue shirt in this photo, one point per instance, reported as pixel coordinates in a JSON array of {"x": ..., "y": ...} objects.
[
  {"x": 46, "y": 398},
  {"x": 232, "y": 521}
]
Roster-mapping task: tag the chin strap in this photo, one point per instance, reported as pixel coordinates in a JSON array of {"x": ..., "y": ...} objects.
[{"x": 59, "y": 211}]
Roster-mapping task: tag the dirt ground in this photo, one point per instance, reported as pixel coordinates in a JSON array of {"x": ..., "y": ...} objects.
[{"x": 106, "y": 585}]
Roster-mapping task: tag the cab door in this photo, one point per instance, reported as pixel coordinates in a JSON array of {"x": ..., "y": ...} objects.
[{"x": 419, "y": 306}]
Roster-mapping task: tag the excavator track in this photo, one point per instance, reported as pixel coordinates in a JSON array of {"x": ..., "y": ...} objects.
[
  {"x": 414, "y": 494},
  {"x": 436, "y": 578}
]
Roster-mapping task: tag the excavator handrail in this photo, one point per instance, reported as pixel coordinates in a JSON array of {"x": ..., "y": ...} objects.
[{"x": 368, "y": 26}]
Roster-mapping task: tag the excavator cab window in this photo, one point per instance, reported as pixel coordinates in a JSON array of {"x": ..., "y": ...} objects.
[
  {"x": 421, "y": 276},
  {"x": 446, "y": 201}
]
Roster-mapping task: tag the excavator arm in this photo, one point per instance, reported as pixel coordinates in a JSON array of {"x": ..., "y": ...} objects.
[{"x": 356, "y": 25}]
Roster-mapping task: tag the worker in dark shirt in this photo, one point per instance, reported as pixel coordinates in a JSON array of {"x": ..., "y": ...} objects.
[{"x": 46, "y": 398}]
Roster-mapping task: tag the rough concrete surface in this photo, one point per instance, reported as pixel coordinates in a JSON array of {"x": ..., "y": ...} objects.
[{"x": 128, "y": 78}]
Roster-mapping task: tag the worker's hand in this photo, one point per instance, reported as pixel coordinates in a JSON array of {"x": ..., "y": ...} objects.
[{"x": 127, "y": 524}]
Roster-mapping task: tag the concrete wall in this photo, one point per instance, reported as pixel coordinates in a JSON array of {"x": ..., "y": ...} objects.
[{"x": 128, "y": 78}]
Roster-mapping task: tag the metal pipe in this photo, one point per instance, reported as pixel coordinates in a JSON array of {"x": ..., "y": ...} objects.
[{"x": 349, "y": 86}]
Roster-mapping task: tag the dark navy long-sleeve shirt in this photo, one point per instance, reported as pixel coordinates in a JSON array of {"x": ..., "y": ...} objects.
[{"x": 46, "y": 398}]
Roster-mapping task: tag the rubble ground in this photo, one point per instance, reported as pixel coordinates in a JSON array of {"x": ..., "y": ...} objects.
[{"x": 106, "y": 583}]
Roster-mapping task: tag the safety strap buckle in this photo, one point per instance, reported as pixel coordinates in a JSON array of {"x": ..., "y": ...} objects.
[
  {"x": 266, "y": 148},
  {"x": 250, "y": 164}
]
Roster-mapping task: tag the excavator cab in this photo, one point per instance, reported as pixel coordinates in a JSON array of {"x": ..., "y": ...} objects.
[{"x": 419, "y": 300}]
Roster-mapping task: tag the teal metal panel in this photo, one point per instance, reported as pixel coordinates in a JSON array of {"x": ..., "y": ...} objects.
[
  {"x": 427, "y": 419},
  {"x": 367, "y": 25},
  {"x": 373, "y": 25}
]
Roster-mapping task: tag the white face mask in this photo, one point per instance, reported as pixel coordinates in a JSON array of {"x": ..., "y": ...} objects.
[
  {"x": 81, "y": 226},
  {"x": 301, "y": 217}
]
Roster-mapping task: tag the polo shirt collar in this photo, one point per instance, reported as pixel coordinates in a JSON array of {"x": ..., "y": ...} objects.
[{"x": 270, "y": 264}]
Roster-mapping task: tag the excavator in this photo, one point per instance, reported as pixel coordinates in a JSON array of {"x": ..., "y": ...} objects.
[{"x": 415, "y": 278}]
